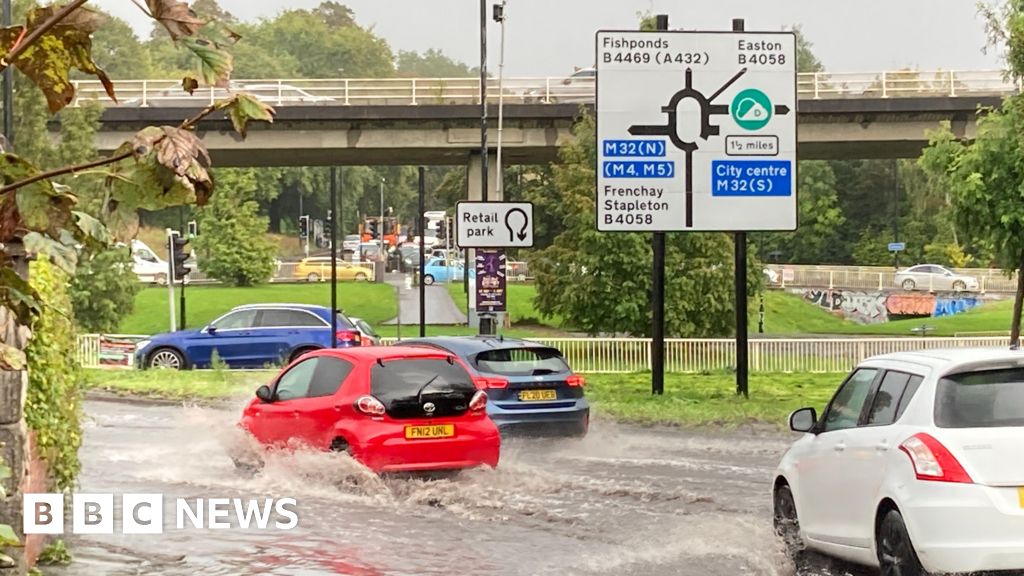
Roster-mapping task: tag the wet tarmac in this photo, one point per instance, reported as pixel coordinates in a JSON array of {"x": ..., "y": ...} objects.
[{"x": 623, "y": 501}]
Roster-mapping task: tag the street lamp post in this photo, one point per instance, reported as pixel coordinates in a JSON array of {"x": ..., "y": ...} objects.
[
  {"x": 380, "y": 228},
  {"x": 499, "y": 16}
]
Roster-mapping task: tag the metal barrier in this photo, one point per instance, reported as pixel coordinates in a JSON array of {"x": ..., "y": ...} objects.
[
  {"x": 877, "y": 277},
  {"x": 540, "y": 90},
  {"x": 682, "y": 355}
]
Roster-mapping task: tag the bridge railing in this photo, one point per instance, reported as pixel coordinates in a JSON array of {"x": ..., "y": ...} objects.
[
  {"x": 876, "y": 278},
  {"x": 538, "y": 90}
]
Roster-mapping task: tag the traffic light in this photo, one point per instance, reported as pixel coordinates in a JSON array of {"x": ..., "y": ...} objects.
[
  {"x": 372, "y": 225},
  {"x": 329, "y": 223},
  {"x": 193, "y": 229},
  {"x": 303, "y": 227},
  {"x": 179, "y": 255},
  {"x": 442, "y": 230}
]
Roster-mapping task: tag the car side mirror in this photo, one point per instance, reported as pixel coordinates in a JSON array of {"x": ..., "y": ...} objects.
[
  {"x": 803, "y": 420},
  {"x": 211, "y": 330},
  {"x": 264, "y": 394},
  {"x": 567, "y": 81}
]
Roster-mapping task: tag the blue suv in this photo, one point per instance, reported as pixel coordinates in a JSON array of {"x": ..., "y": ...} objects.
[{"x": 250, "y": 336}]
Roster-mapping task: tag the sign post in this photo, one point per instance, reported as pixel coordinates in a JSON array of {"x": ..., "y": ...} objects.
[
  {"x": 896, "y": 248},
  {"x": 494, "y": 224},
  {"x": 696, "y": 132}
]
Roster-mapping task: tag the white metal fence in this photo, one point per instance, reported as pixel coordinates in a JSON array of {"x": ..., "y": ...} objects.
[
  {"x": 877, "y": 277},
  {"x": 624, "y": 355},
  {"x": 544, "y": 90}
]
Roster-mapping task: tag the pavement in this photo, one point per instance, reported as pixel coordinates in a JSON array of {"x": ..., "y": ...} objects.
[
  {"x": 441, "y": 309},
  {"x": 624, "y": 501}
]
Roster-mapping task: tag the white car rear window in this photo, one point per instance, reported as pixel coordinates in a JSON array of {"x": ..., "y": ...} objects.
[{"x": 983, "y": 399}]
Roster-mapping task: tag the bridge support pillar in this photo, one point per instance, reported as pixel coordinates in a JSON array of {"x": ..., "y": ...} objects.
[{"x": 474, "y": 191}]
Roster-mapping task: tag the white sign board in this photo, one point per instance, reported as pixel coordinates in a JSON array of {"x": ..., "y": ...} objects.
[
  {"x": 696, "y": 131},
  {"x": 494, "y": 224}
]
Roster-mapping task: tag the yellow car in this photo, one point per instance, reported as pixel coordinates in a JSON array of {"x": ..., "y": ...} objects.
[{"x": 319, "y": 268}]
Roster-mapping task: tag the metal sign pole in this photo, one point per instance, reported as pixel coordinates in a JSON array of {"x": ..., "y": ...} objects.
[
  {"x": 740, "y": 240},
  {"x": 658, "y": 289},
  {"x": 423, "y": 257},
  {"x": 335, "y": 217}
]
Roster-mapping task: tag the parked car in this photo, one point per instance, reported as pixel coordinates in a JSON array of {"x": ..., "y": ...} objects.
[
  {"x": 317, "y": 268},
  {"x": 284, "y": 94},
  {"x": 370, "y": 336},
  {"x": 580, "y": 87},
  {"x": 441, "y": 270},
  {"x": 250, "y": 336},
  {"x": 393, "y": 408},
  {"x": 915, "y": 466},
  {"x": 530, "y": 387},
  {"x": 273, "y": 94},
  {"x": 934, "y": 277}
]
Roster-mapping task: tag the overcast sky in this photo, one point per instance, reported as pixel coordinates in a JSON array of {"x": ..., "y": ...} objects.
[{"x": 550, "y": 37}]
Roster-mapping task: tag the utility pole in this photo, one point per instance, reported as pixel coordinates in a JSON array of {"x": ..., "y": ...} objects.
[
  {"x": 499, "y": 16},
  {"x": 740, "y": 240},
  {"x": 422, "y": 222}
]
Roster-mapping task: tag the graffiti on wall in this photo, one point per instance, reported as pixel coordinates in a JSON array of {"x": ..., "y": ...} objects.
[{"x": 876, "y": 307}]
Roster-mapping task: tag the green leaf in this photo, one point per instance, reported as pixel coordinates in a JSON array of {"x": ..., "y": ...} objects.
[
  {"x": 245, "y": 107},
  {"x": 11, "y": 359},
  {"x": 62, "y": 252},
  {"x": 8, "y": 537},
  {"x": 215, "y": 64},
  {"x": 90, "y": 230},
  {"x": 39, "y": 206}
]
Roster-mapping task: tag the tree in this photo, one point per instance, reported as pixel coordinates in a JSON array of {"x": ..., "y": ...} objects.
[
  {"x": 233, "y": 246},
  {"x": 986, "y": 177},
  {"x": 103, "y": 290},
  {"x": 431, "y": 64},
  {"x": 819, "y": 238},
  {"x": 601, "y": 282}
]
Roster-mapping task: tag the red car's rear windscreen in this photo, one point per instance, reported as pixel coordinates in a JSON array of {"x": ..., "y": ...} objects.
[{"x": 422, "y": 387}]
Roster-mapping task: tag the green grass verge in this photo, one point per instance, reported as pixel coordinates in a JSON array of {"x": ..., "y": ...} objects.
[
  {"x": 202, "y": 384},
  {"x": 708, "y": 400},
  {"x": 374, "y": 303},
  {"x": 520, "y": 305},
  {"x": 689, "y": 399},
  {"x": 786, "y": 313}
]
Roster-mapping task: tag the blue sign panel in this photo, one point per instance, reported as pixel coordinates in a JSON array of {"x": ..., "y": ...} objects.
[
  {"x": 753, "y": 178},
  {"x": 634, "y": 148},
  {"x": 638, "y": 169},
  {"x": 897, "y": 246}
]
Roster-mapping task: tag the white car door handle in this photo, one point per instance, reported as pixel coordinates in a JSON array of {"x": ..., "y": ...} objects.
[
  {"x": 839, "y": 447},
  {"x": 882, "y": 446}
]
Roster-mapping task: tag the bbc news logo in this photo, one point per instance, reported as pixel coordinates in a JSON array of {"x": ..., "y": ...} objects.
[{"x": 144, "y": 513}]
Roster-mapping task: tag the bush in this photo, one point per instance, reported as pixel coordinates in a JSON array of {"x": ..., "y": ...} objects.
[
  {"x": 103, "y": 290},
  {"x": 53, "y": 406}
]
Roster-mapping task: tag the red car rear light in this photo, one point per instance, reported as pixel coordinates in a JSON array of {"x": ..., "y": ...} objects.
[
  {"x": 349, "y": 336},
  {"x": 576, "y": 380},
  {"x": 370, "y": 406},
  {"x": 479, "y": 401},
  {"x": 485, "y": 383},
  {"x": 932, "y": 461}
]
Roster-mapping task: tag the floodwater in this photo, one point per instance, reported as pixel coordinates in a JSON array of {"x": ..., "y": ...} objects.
[{"x": 623, "y": 501}]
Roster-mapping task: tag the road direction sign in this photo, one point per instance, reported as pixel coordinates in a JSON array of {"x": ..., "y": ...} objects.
[
  {"x": 897, "y": 246},
  {"x": 494, "y": 224},
  {"x": 696, "y": 131}
]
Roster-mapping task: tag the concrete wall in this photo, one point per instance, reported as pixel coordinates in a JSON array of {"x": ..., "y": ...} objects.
[{"x": 872, "y": 307}]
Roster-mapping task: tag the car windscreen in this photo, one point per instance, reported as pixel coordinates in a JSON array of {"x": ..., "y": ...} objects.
[
  {"x": 534, "y": 361},
  {"x": 982, "y": 399},
  {"x": 408, "y": 378}
]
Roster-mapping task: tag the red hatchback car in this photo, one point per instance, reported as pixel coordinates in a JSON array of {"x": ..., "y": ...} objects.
[{"x": 394, "y": 409}]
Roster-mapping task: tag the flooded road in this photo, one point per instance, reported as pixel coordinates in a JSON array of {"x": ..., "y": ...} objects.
[{"x": 623, "y": 501}]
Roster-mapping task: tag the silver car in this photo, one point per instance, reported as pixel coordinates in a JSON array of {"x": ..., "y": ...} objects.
[
  {"x": 579, "y": 87},
  {"x": 934, "y": 277}
]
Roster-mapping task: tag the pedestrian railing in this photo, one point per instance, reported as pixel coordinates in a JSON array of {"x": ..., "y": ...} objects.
[
  {"x": 625, "y": 355},
  {"x": 537, "y": 90}
]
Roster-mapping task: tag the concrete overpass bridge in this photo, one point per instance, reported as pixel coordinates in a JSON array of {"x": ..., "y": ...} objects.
[{"x": 436, "y": 121}]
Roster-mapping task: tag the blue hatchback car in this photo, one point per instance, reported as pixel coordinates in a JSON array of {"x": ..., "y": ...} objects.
[
  {"x": 530, "y": 387},
  {"x": 440, "y": 270},
  {"x": 251, "y": 336}
]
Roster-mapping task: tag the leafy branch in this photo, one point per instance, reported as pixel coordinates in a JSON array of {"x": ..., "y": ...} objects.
[
  {"x": 188, "y": 124},
  {"x": 27, "y": 40}
]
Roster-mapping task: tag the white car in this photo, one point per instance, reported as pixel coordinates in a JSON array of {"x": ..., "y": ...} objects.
[
  {"x": 934, "y": 277},
  {"x": 917, "y": 466},
  {"x": 149, "y": 267}
]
